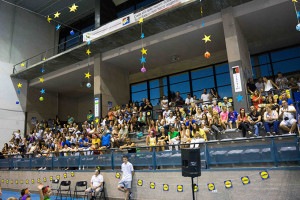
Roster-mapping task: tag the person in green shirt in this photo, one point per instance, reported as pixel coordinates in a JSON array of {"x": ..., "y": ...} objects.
[
  {"x": 90, "y": 117},
  {"x": 45, "y": 192},
  {"x": 70, "y": 119},
  {"x": 173, "y": 138}
]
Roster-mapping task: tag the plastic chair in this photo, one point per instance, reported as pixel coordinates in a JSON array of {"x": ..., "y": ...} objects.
[
  {"x": 80, "y": 186},
  {"x": 65, "y": 186},
  {"x": 55, "y": 187},
  {"x": 101, "y": 193}
]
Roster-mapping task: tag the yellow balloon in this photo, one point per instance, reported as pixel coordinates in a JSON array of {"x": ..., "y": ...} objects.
[
  {"x": 230, "y": 100},
  {"x": 251, "y": 97}
]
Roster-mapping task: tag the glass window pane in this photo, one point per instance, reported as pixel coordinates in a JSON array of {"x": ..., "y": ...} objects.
[
  {"x": 154, "y": 84},
  {"x": 202, "y": 73},
  {"x": 154, "y": 102},
  {"x": 139, "y": 87},
  {"x": 285, "y": 54},
  {"x": 222, "y": 68},
  {"x": 202, "y": 83},
  {"x": 166, "y": 91},
  {"x": 265, "y": 70},
  {"x": 181, "y": 87},
  {"x": 154, "y": 93},
  {"x": 254, "y": 74},
  {"x": 165, "y": 82},
  {"x": 264, "y": 59},
  {"x": 225, "y": 91},
  {"x": 223, "y": 79},
  {"x": 179, "y": 78},
  {"x": 287, "y": 66},
  {"x": 139, "y": 96}
]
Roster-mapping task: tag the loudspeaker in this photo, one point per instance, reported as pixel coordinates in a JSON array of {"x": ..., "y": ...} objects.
[{"x": 191, "y": 162}]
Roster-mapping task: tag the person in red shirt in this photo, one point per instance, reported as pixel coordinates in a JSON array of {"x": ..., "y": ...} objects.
[{"x": 256, "y": 99}]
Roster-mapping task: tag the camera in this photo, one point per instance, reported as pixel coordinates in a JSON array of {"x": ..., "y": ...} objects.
[{"x": 286, "y": 118}]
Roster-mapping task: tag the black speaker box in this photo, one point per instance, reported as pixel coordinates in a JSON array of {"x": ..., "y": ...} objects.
[{"x": 191, "y": 162}]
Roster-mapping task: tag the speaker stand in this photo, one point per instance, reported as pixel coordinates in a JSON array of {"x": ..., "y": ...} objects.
[{"x": 193, "y": 187}]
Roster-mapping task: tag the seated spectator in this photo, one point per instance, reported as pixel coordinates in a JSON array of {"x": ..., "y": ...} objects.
[
  {"x": 185, "y": 134},
  {"x": 128, "y": 146},
  {"x": 160, "y": 122},
  {"x": 271, "y": 119},
  {"x": 202, "y": 135},
  {"x": 164, "y": 102},
  {"x": 151, "y": 141},
  {"x": 205, "y": 123},
  {"x": 141, "y": 121},
  {"x": 83, "y": 142},
  {"x": 96, "y": 140},
  {"x": 293, "y": 85},
  {"x": 70, "y": 119},
  {"x": 285, "y": 98},
  {"x": 90, "y": 117},
  {"x": 254, "y": 119},
  {"x": 271, "y": 101},
  {"x": 281, "y": 81},
  {"x": 177, "y": 124},
  {"x": 143, "y": 104},
  {"x": 123, "y": 133},
  {"x": 251, "y": 86},
  {"x": 268, "y": 84},
  {"x": 178, "y": 99},
  {"x": 256, "y": 99},
  {"x": 196, "y": 139},
  {"x": 96, "y": 184},
  {"x": 287, "y": 113},
  {"x": 198, "y": 116},
  {"x": 170, "y": 121},
  {"x": 232, "y": 117},
  {"x": 216, "y": 125},
  {"x": 214, "y": 94},
  {"x": 225, "y": 103},
  {"x": 196, "y": 101},
  {"x": 205, "y": 98},
  {"x": 92, "y": 129},
  {"x": 166, "y": 113},
  {"x": 189, "y": 123},
  {"x": 105, "y": 138},
  {"x": 115, "y": 139},
  {"x": 193, "y": 109},
  {"x": 224, "y": 117},
  {"x": 162, "y": 139},
  {"x": 259, "y": 85},
  {"x": 173, "y": 137},
  {"x": 189, "y": 100},
  {"x": 243, "y": 123},
  {"x": 215, "y": 107}
]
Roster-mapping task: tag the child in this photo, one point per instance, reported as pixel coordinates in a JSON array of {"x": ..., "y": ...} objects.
[
  {"x": 45, "y": 192},
  {"x": 26, "y": 197},
  {"x": 224, "y": 117},
  {"x": 232, "y": 116},
  {"x": 152, "y": 141}
]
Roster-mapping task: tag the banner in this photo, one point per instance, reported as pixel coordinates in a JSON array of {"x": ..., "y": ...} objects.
[
  {"x": 131, "y": 18},
  {"x": 237, "y": 79}
]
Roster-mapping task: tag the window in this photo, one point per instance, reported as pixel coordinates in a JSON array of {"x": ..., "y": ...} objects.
[
  {"x": 202, "y": 73},
  {"x": 183, "y": 88},
  {"x": 222, "y": 68},
  {"x": 285, "y": 54},
  {"x": 179, "y": 78},
  {"x": 287, "y": 66},
  {"x": 139, "y": 87},
  {"x": 200, "y": 84},
  {"x": 225, "y": 91},
  {"x": 223, "y": 79},
  {"x": 138, "y": 92}
]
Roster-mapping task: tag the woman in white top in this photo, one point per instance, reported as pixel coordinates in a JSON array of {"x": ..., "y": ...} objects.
[
  {"x": 184, "y": 134},
  {"x": 268, "y": 84},
  {"x": 198, "y": 116},
  {"x": 271, "y": 119}
]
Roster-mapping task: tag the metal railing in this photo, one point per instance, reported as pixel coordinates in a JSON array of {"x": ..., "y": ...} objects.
[{"x": 272, "y": 150}]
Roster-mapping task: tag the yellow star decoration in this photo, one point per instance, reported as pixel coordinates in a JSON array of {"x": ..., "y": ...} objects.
[
  {"x": 73, "y": 8},
  {"x": 144, "y": 51},
  {"x": 295, "y": 1},
  {"x": 42, "y": 80},
  {"x": 44, "y": 58},
  {"x": 22, "y": 64},
  {"x": 206, "y": 38},
  {"x": 49, "y": 19},
  {"x": 88, "y": 52},
  {"x": 56, "y": 15},
  {"x": 87, "y": 75},
  {"x": 19, "y": 85},
  {"x": 141, "y": 20},
  {"x": 96, "y": 120}
]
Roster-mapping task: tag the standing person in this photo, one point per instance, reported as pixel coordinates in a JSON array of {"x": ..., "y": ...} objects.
[
  {"x": 125, "y": 183},
  {"x": 281, "y": 81},
  {"x": 178, "y": 99},
  {"x": 45, "y": 192},
  {"x": 214, "y": 94},
  {"x": 259, "y": 85},
  {"x": 189, "y": 100},
  {"x": 205, "y": 98},
  {"x": 96, "y": 184},
  {"x": 268, "y": 84},
  {"x": 251, "y": 87},
  {"x": 164, "y": 102},
  {"x": 90, "y": 117},
  {"x": 256, "y": 99},
  {"x": 271, "y": 119}
]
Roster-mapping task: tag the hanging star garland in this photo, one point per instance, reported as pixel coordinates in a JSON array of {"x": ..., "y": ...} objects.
[
  {"x": 19, "y": 85},
  {"x": 42, "y": 91},
  {"x": 96, "y": 120},
  {"x": 296, "y": 11},
  {"x": 73, "y": 8},
  {"x": 87, "y": 75},
  {"x": 144, "y": 51},
  {"x": 206, "y": 38},
  {"x": 41, "y": 80},
  {"x": 88, "y": 52},
  {"x": 141, "y": 20},
  {"x": 57, "y": 27},
  {"x": 49, "y": 19},
  {"x": 42, "y": 70},
  {"x": 22, "y": 64},
  {"x": 142, "y": 36},
  {"x": 56, "y": 15},
  {"x": 143, "y": 60},
  {"x": 44, "y": 59}
]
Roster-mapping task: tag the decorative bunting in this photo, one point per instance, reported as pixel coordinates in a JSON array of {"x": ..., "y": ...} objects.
[
  {"x": 57, "y": 14},
  {"x": 49, "y": 19},
  {"x": 88, "y": 52},
  {"x": 41, "y": 80},
  {"x": 206, "y": 38},
  {"x": 19, "y": 85},
  {"x": 87, "y": 75},
  {"x": 57, "y": 27},
  {"x": 73, "y": 8}
]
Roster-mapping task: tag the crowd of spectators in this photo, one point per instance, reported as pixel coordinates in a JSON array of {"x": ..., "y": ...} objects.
[{"x": 189, "y": 122}]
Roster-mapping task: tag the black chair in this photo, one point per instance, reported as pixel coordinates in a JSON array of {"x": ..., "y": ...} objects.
[
  {"x": 80, "y": 187},
  {"x": 101, "y": 193},
  {"x": 65, "y": 186},
  {"x": 55, "y": 187}
]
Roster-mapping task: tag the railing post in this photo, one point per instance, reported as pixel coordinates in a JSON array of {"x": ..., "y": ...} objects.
[
  {"x": 12, "y": 163},
  {"x": 274, "y": 152},
  {"x": 112, "y": 160},
  {"x": 297, "y": 149},
  {"x": 52, "y": 162},
  {"x": 30, "y": 161},
  {"x": 79, "y": 160},
  {"x": 154, "y": 158},
  {"x": 207, "y": 156}
]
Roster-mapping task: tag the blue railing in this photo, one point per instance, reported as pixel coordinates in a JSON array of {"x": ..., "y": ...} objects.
[{"x": 273, "y": 150}]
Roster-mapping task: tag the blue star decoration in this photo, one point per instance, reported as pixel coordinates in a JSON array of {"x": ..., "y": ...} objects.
[
  {"x": 240, "y": 98},
  {"x": 202, "y": 23},
  {"x": 143, "y": 60},
  {"x": 142, "y": 36},
  {"x": 42, "y": 70},
  {"x": 72, "y": 32},
  {"x": 18, "y": 91},
  {"x": 42, "y": 91},
  {"x": 57, "y": 27},
  {"x": 88, "y": 42},
  {"x": 298, "y": 15}
]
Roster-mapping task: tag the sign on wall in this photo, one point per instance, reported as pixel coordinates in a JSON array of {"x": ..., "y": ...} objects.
[
  {"x": 96, "y": 107},
  {"x": 237, "y": 79}
]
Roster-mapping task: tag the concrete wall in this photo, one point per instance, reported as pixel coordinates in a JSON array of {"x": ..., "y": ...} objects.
[{"x": 282, "y": 184}]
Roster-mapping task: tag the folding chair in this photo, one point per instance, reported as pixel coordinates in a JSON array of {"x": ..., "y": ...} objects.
[
  {"x": 55, "y": 187},
  {"x": 65, "y": 186},
  {"x": 101, "y": 193},
  {"x": 80, "y": 187}
]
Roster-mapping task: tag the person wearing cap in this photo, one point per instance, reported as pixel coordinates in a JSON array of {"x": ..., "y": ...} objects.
[
  {"x": 226, "y": 103},
  {"x": 96, "y": 184}
]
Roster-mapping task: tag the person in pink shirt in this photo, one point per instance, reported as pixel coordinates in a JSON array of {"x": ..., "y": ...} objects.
[
  {"x": 224, "y": 117},
  {"x": 215, "y": 106}
]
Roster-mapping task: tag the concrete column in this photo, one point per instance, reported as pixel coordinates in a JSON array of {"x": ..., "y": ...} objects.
[
  {"x": 111, "y": 84},
  {"x": 97, "y": 85},
  {"x": 97, "y": 14},
  {"x": 161, "y": 87},
  {"x": 238, "y": 55}
]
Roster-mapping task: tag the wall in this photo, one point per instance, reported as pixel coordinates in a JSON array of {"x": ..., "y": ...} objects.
[
  {"x": 282, "y": 184},
  {"x": 85, "y": 104}
]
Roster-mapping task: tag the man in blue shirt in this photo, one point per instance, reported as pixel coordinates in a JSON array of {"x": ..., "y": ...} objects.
[
  {"x": 83, "y": 142},
  {"x": 190, "y": 122},
  {"x": 65, "y": 142},
  {"x": 285, "y": 97},
  {"x": 105, "y": 137}
]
